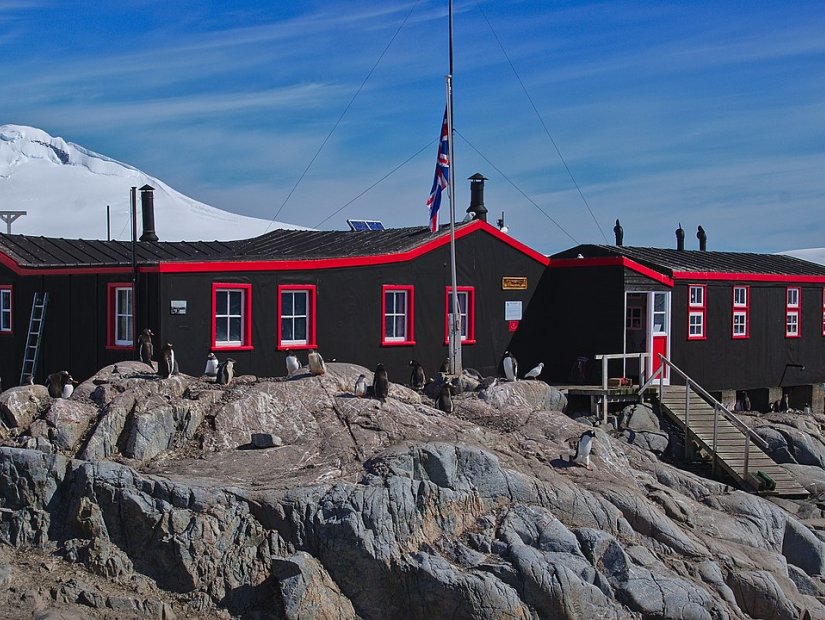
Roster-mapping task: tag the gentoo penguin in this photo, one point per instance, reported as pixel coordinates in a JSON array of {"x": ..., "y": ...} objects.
[
  {"x": 56, "y": 382},
  {"x": 68, "y": 389},
  {"x": 292, "y": 363},
  {"x": 474, "y": 374},
  {"x": 445, "y": 399},
  {"x": 145, "y": 346},
  {"x": 445, "y": 366},
  {"x": 783, "y": 402},
  {"x": 361, "y": 386},
  {"x": 533, "y": 373},
  {"x": 28, "y": 380},
  {"x": 380, "y": 383},
  {"x": 226, "y": 372},
  {"x": 167, "y": 366},
  {"x": 487, "y": 383},
  {"x": 510, "y": 365},
  {"x": 211, "y": 369},
  {"x": 417, "y": 376},
  {"x": 583, "y": 449},
  {"x": 316, "y": 363}
]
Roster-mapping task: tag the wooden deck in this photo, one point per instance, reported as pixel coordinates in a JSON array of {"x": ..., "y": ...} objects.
[{"x": 730, "y": 443}]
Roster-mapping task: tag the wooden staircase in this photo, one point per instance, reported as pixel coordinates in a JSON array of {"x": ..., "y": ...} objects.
[{"x": 735, "y": 451}]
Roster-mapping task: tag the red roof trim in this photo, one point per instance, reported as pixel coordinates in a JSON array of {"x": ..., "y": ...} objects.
[
  {"x": 612, "y": 261},
  {"x": 748, "y": 277},
  {"x": 9, "y": 262}
]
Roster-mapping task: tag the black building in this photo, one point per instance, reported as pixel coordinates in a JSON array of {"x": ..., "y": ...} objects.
[{"x": 363, "y": 297}]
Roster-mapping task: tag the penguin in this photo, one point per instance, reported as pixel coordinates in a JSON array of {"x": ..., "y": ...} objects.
[
  {"x": 28, "y": 380},
  {"x": 417, "y": 376},
  {"x": 211, "y": 369},
  {"x": 380, "y": 383},
  {"x": 510, "y": 365},
  {"x": 316, "y": 363},
  {"x": 361, "y": 386},
  {"x": 68, "y": 389},
  {"x": 167, "y": 366},
  {"x": 746, "y": 402},
  {"x": 583, "y": 448},
  {"x": 783, "y": 403},
  {"x": 474, "y": 374},
  {"x": 145, "y": 349},
  {"x": 292, "y": 363},
  {"x": 57, "y": 381},
  {"x": 533, "y": 373},
  {"x": 445, "y": 366},
  {"x": 226, "y": 372},
  {"x": 445, "y": 399},
  {"x": 487, "y": 383}
]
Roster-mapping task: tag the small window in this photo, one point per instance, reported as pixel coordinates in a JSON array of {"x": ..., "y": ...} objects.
[
  {"x": 121, "y": 317},
  {"x": 741, "y": 312},
  {"x": 296, "y": 316},
  {"x": 793, "y": 310},
  {"x": 397, "y": 311},
  {"x": 466, "y": 305},
  {"x": 232, "y": 316},
  {"x": 5, "y": 309},
  {"x": 697, "y": 311},
  {"x": 633, "y": 320}
]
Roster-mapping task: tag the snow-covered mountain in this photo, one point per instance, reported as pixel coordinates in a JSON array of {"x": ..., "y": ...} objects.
[
  {"x": 65, "y": 189},
  {"x": 814, "y": 255}
]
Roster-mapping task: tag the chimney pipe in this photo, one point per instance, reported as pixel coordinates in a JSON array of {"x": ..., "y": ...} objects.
[
  {"x": 147, "y": 203},
  {"x": 619, "y": 232},
  {"x": 703, "y": 239},
  {"x": 680, "y": 238},
  {"x": 477, "y": 207}
]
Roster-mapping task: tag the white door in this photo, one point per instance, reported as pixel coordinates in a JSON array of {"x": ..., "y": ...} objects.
[{"x": 658, "y": 337}]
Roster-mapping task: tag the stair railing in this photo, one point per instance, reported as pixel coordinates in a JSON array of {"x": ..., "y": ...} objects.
[{"x": 718, "y": 408}]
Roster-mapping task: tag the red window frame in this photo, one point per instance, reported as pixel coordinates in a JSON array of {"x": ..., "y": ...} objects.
[
  {"x": 246, "y": 327},
  {"x": 9, "y": 310},
  {"x": 410, "y": 336},
  {"x": 741, "y": 309},
  {"x": 311, "y": 291},
  {"x": 111, "y": 316},
  {"x": 793, "y": 309},
  {"x": 698, "y": 309},
  {"x": 471, "y": 313}
]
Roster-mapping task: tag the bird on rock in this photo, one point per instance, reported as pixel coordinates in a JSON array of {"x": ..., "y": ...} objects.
[
  {"x": 316, "y": 362},
  {"x": 292, "y": 363},
  {"x": 381, "y": 383},
  {"x": 417, "y": 376},
  {"x": 510, "y": 365},
  {"x": 533, "y": 373},
  {"x": 361, "y": 386}
]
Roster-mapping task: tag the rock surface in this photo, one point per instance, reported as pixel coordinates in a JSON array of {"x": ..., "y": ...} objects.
[{"x": 150, "y": 504}]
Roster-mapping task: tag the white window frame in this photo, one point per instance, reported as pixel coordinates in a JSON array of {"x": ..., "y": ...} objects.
[
  {"x": 396, "y": 294},
  {"x": 793, "y": 312},
  {"x": 700, "y": 301},
  {"x": 696, "y": 329},
  {"x": 293, "y": 317},
  {"x": 5, "y": 310},
  {"x": 740, "y": 326},
  {"x": 224, "y": 314},
  {"x": 119, "y": 313}
]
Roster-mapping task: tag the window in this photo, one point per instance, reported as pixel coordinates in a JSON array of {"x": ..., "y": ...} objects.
[
  {"x": 793, "y": 309},
  {"x": 633, "y": 320},
  {"x": 397, "y": 310},
  {"x": 696, "y": 312},
  {"x": 466, "y": 308},
  {"x": 232, "y": 316},
  {"x": 741, "y": 312},
  {"x": 296, "y": 316},
  {"x": 121, "y": 316},
  {"x": 5, "y": 309}
]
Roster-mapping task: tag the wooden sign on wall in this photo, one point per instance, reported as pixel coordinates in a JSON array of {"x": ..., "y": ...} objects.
[{"x": 514, "y": 283}]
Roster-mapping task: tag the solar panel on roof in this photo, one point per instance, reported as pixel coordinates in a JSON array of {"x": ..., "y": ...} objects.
[{"x": 362, "y": 225}]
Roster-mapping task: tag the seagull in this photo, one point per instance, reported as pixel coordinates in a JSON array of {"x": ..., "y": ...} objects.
[{"x": 533, "y": 373}]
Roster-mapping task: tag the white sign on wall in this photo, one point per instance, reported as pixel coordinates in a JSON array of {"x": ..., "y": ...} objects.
[{"x": 512, "y": 310}]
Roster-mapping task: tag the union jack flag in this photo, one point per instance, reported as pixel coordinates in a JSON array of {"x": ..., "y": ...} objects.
[{"x": 442, "y": 175}]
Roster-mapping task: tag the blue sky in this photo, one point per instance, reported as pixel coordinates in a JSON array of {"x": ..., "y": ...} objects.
[{"x": 708, "y": 113}]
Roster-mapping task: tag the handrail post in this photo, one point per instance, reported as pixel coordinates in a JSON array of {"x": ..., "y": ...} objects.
[
  {"x": 687, "y": 419},
  {"x": 715, "y": 436},
  {"x": 747, "y": 454}
]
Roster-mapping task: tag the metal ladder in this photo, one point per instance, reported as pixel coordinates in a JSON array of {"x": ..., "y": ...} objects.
[{"x": 31, "y": 354}]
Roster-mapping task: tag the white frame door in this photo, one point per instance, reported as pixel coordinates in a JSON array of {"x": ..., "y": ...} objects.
[{"x": 658, "y": 330}]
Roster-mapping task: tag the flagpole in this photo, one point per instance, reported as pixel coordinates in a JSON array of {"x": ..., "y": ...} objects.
[{"x": 455, "y": 316}]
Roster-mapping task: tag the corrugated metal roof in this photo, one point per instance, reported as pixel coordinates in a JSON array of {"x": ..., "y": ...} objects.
[
  {"x": 46, "y": 252},
  {"x": 669, "y": 261}
]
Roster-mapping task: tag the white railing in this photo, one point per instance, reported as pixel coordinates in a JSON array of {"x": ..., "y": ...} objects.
[
  {"x": 718, "y": 408},
  {"x": 622, "y": 356}
]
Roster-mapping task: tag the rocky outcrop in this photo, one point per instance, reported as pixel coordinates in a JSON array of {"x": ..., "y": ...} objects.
[{"x": 370, "y": 509}]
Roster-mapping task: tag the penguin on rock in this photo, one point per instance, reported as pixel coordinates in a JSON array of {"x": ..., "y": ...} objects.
[
  {"x": 57, "y": 381},
  {"x": 583, "y": 449},
  {"x": 361, "y": 386},
  {"x": 145, "y": 349},
  {"x": 510, "y": 365},
  {"x": 167, "y": 365},
  {"x": 417, "y": 377},
  {"x": 292, "y": 363},
  {"x": 445, "y": 399},
  {"x": 226, "y": 372},
  {"x": 211, "y": 369},
  {"x": 381, "y": 383},
  {"x": 316, "y": 363}
]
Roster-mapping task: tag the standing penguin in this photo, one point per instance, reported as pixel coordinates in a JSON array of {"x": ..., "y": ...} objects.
[
  {"x": 417, "y": 376},
  {"x": 361, "y": 386},
  {"x": 533, "y": 373},
  {"x": 380, "y": 383},
  {"x": 510, "y": 365},
  {"x": 316, "y": 363},
  {"x": 145, "y": 350},
  {"x": 28, "y": 380},
  {"x": 583, "y": 448},
  {"x": 68, "y": 389},
  {"x": 167, "y": 366},
  {"x": 226, "y": 372},
  {"x": 292, "y": 363},
  {"x": 445, "y": 399},
  {"x": 211, "y": 369},
  {"x": 783, "y": 403},
  {"x": 57, "y": 381}
]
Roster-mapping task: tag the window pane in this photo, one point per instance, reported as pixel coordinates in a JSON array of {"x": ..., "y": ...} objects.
[
  {"x": 286, "y": 329},
  {"x": 235, "y": 302},
  {"x": 400, "y": 327},
  {"x": 388, "y": 322},
  {"x": 235, "y": 329},
  {"x": 221, "y": 303},
  {"x": 286, "y": 304},
  {"x": 5, "y": 321},
  {"x": 300, "y": 327},
  {"x": 300, "y": 304},
  {"x": 221, "y": 333}
]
